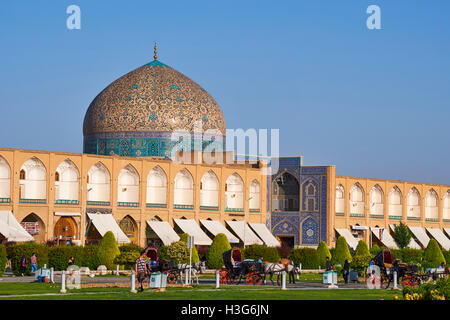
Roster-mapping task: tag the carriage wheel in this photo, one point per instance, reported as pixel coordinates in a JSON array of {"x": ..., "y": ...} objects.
[
  {"x": 249, "y": 279},
  {"x": 172, "y": 278}
]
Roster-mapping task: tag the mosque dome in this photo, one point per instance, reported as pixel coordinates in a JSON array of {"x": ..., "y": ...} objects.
[{"x": 151, "y": 101}]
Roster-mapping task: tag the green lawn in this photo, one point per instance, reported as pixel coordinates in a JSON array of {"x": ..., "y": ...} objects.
[{"x": 203, "y": 292}]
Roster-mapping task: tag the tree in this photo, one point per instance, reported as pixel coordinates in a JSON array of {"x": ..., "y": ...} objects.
[
  {"x": 362, "y": 249},
  {"x": 402, "y": 235},
  {"x": 342, "y": 252},
  {"x": 362, "y": 257},
  {"x": 323, "y": 252},
  {"x": 108, "y": 250},
  {"x": 433, "y": 256},
  {"x": 195, "y": 257},
  {"x": 220, "y": 244}
]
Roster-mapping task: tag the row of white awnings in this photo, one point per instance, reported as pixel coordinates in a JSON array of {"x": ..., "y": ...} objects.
[
  {"x": 386, "y": 239},
  {"x": 106, "y": 222},
  {"x": 167, "y": 235}
]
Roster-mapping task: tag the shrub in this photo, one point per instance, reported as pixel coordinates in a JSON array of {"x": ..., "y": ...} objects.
[
  {"x": 58, "y": 257},
  {"x": 127, "y": 259},
  {"x": 108, "y": 250},
  {"x": 195, "y": 257},
  {"x": 374, "y": 250},
  {"x": 89, "y": 257},
  {"x": 284, "y": 250},
  {"x": 362, "y": 249},
  {"x": 162, "y": 253},
  {"x": 323, "y": 252},
  {"x": 254, "y": 252},
  {"x": 429, "y": 291},
  {"x": 307, "y": 257},
  {"x": 3, "y": 259},
  {"x": 446, "y": 254},
  {"x": 342, "y": 252},
  {"x": 15, "y": 252},
  {"x": 219, "y": 245},
  {"x": 131, "y": 247},
  {"x": 433, "y": 257},
  {"x": 402, "y": 235},
  {"x": 409, "y": 256},
  {"x": 178, "y": 252}
]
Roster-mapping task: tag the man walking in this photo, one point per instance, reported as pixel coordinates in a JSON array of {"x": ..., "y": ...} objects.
[
  {"x": 33, "y": 261},
  {"x": 141, "y": 270}
]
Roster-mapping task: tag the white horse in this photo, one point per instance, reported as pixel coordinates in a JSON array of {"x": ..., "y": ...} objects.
[
  {"x": 276, "y": 268},
  {"x": 195, "y": 268}
]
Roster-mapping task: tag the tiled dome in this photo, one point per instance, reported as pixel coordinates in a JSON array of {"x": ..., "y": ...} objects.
[{"x": 152, "y": 98}]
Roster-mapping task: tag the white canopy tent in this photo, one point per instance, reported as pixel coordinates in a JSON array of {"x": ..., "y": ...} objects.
[
  {"x": 193, "y": 229},
  {"x": 421, "y": 235},
  {"x": 243, "y": 231},
  {"x": 215, "y": 227},
  {"x": 264, "y": 233},
  {"x": 164, "y": 231},
  {"x": 11, "y": 229},
  {"x": 386, "y": 238},
  {"x": 351, "y": 240},
  {"x": 440, "y": 237},
  {"x": 104, "y": 223},
  {"x": 412, "y": 243}
]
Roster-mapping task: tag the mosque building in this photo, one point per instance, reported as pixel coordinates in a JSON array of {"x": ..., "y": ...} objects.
[{"x": 127, "y": 181}]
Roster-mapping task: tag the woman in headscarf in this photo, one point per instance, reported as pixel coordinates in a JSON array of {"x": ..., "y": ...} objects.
[
  {"x": 346, "y": 271},
  {"x": 23, "y": 265}
]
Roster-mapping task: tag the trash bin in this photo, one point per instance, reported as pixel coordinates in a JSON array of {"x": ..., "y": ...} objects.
[
  {"x": 354, "y": 276},
  {"x": 158, "y": 280},
  {"x": 41, "y": 274}
]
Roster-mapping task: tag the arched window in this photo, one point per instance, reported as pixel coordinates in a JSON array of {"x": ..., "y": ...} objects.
[
  {"x": 254, "y": 196},
  {"x": 357, "y": 201},
  {"x": 446, "y": 208},
  {"x": 22, "y": 174},
  {"x": 66, "y": 182},
  {"x": 156, "y": 186},
  {"x": 376, "y": 201},
  {"x": 340, "y": 200},
  {"x": 184, "y": 190},
  {"x": 128, "y": 187},
  {"x": 413, "y": 203},
  {"x": 34, "y": 186},
  {"x": 99, "y": 188},
  {"x": 310, "y": 191},
  {"x": 34, "y": 225},
  {"x": 128, "y": 226},
  {"x": 431, "y": 206},
  {"x": 285, "y": 193},
  {"x": 234, "y": 196},
  {"x": 209, "y": 190},
  {"x": 5, "y": 179},
  {"x": 395, "y": 203},
  {"x": 64, "y": 231}
]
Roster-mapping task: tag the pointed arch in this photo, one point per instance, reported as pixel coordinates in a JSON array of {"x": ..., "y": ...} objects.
[
  {"x": 431, "y": 205},
  {"x": 310, "y": 192},
  {"x": 184, "y": 189},
  {"x": 5, "y": 179},
  {"x": 376, "y": 200},
  {"x": 357, "y": 200},
  {"x": 254, "y": 195},
  {"x": 340, "y": 199},
  {"x": 35, "y": 226},
  {"x": 446, "y": 206},
  {"x": 209, "y": 190},
  {"x": 285, "y": 193},
  {"x": 99, "y": 185},
  {"x": 34, "y": 186},
  {"x": 67, "y": 184},
  {"x": 129, "y": 226},
  {"x": 128, "y": 186},
  {"x": 157, "y": 186},
  {"x": 395, "y": 202},
  {"x": 413, "y": 203},
  {"x": 234, "y": 194},
  {"x": 65, "y": 230}
]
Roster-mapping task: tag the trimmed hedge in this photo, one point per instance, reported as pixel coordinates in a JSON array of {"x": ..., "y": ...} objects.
[
  {"x": 323, "y": 251},
  {"x": 177, "y": 252},
  {"x": 433, "y": 257},
  {"x": 408, "y": 255},
  {"x": 362, "y": 249},
  {"x": 195, "y": 257},
  {"x": 270, "y": 254},
  {"x": 3, "y": 259},
  {"x": 308, "y": 257},
  {"x": 446, "y": 256},
  {"x": 220, "y": 244},
  {"x": 374, "y": 250},
  {"x": 108, "y": 251},
  {"x": 16, "y": 251},
  {"x": 342, "y": 252},
  {"x": 58, "y": 257}
]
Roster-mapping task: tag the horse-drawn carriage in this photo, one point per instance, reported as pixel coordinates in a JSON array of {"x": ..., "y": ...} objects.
[
  {"x": 155, "y": 264},
  {"x": 235, "y": 269},
  {"x": 407, "y": 274}
]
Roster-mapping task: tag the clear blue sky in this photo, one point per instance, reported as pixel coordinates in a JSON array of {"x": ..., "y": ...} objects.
[{"x": 375, "y": 103}]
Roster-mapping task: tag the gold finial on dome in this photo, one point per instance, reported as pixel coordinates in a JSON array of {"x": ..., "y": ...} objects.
[{"x": 155, "y": 51}]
